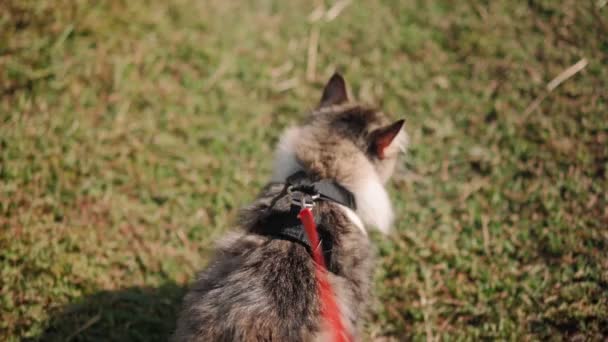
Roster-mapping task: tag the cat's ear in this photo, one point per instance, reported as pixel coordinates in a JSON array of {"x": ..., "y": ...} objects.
[
  {"x": 384, "y": 139},
  {"x": 334, "y": 92}
]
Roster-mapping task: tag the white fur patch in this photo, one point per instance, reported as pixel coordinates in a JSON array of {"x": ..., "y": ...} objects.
[
  {"x": 285, "y": 162},
  {"x": 352, "y": 216},
  {"x": 373, "y": 204}
]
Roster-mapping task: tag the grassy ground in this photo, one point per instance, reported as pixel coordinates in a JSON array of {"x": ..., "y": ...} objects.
[{"x": 132, "y": 131}]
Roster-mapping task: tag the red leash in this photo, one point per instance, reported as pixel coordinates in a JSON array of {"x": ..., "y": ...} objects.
[{"x": 329, "y": 307}]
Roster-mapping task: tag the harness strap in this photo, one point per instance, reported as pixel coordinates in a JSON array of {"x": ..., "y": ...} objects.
[
  {"x": 327, "y": 189},
  {"x": 286, "y": 225}
]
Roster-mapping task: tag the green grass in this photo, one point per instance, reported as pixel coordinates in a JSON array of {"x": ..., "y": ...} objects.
[{"x": 132, "y": 131}]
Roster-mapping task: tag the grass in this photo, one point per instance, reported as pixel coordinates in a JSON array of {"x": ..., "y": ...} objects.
[{"x": 132, "y": 131}]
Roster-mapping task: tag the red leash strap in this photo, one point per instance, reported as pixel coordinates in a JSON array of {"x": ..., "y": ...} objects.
[{"x": 329, "y": 307}]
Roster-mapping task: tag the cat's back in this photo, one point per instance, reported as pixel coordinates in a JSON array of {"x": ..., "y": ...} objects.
[
  {"x": 262, "y": 287},
  {"x": 257, "y": 289}
]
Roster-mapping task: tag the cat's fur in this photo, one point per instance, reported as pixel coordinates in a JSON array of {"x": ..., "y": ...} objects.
[{"x": 260, "y": 288}]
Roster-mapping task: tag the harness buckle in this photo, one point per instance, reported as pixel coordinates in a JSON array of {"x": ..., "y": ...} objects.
[{"x": 304, "y": 200}]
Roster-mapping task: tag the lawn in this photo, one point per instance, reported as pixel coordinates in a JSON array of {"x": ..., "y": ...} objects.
[{"x": 132, "y": 131}]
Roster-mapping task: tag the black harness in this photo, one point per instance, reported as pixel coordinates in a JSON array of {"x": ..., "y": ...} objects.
[{"x": 305, "y": 191}]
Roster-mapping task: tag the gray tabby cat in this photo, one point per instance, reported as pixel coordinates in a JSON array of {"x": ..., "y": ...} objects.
[{"x": 261, "y": 286}]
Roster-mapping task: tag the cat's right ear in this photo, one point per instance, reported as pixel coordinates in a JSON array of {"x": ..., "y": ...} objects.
[
  {"x": 384, "y": 139},
  {"x": 334, "y": 92}
]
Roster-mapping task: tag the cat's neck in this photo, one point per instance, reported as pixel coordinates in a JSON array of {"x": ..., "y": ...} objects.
[{"x": 373, "y": 203}]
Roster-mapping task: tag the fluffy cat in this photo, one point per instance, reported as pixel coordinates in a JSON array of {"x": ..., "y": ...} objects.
[{"x": 260, "y": 285}]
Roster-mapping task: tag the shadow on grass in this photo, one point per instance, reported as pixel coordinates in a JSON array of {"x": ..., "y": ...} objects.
[{"x": 132, "y": 314}]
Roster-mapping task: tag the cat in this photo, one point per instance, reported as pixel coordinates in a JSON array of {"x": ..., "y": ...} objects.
[{"x": 261, "y": 285}]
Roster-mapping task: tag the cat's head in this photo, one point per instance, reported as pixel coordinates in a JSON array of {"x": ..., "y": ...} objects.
[{"x": 352, "y": 143}]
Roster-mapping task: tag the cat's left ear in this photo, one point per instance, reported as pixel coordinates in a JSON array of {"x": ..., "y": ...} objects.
[
  {"x": 334, "y": 92},
  {"x": 384, "y": 139}
]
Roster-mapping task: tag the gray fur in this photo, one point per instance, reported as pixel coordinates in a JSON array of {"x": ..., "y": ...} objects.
[{"x": 259, "y": 288}]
